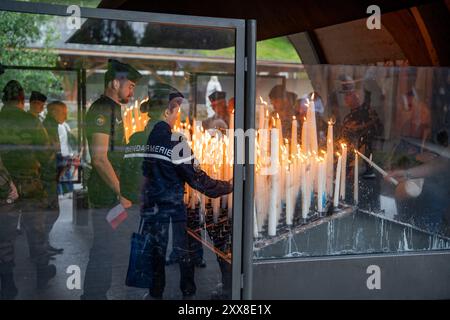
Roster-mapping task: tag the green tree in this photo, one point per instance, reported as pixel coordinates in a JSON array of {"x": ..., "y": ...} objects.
[{"x": 18, "y": 32}]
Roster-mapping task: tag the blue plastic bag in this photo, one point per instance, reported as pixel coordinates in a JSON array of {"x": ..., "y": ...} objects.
[{"x": 140, "y": 272}]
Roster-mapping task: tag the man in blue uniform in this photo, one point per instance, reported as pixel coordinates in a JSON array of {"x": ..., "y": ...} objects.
[
  {"x": 168, "y": 165},
  {"x": 106, "y": 139}
]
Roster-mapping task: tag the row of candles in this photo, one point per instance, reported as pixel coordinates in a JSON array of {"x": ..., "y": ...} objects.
[
  {"x": 134, "y": 120},
  {"x": 285, "y": 168},
  {"x": 296, "y": 169},
  {"x": 215, "y": 153}
]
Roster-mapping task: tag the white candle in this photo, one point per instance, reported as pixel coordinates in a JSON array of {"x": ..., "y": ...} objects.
[
  {"x": 338, "y": 182},
  {"x": 330, "y": 159},
  {"x": 373, "y": 164},
  {"x": 344, "y": 171},
  {"x": 356, "y": 185},
  {"x": 321, "y": 194},
  {"x": 294, "y": 136},
  {"x": 255, "y": 222},
  {"x": 309, "y": 186},
  {"x": 216, "y": 201},
  {"x": 289, "y": 196},
  {"x": 312, "y": 125},
  {"x": 305, "y": 195},
  {"x": 275, "y": 180},
  {"x": 261, "y": 114},
  {"x": 231, "y": 162},
  {"x": 305, "y": 140}
]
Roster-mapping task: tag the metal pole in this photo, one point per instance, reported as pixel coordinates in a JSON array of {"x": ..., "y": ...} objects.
[{"x": 250, "y": 92}]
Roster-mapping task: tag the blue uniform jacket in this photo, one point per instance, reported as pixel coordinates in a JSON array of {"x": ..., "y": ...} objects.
[{"x": 165, "y": 177}]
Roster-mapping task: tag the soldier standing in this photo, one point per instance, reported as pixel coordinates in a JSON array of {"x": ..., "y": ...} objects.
[
  {"x": 8, "y": 223},
  {"x": 25, "y": 154},
  {"x": 106, "y": 139}
]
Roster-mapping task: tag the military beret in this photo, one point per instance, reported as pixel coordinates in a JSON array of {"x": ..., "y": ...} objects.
[
  {"x": 13, "y": 91},
  {"x": 217, "y": 95},
  {"x": 37, "y": 96},
  {"x": 117, "y": 69}
]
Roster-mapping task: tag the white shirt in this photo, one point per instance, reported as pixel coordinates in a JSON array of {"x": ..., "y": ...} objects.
[{"x": 63, "y": 131}]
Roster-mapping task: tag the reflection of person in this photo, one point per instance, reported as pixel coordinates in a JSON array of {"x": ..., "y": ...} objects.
[
  {"x": 25, "y": 155},
  {"x": 8, "y": 223},
  {"x": 212, "y": 86},
  {"x": 106, "y": 139},
  {"x": 219, "y": 233},
  {"x": 415, "y": 120},
  {"x": 70, "y": 159},
  {"x": 429, "y": 210},
  {"x": 362, "y": 125},
  {"x": 37, "y": 102},
  {"x": 283, "y": 103},
  {"x": 166, "y": 171},
  {"x": 359, "y": 130},
  {"x": 56, "y": 115},
  {"x": 221, "y": 118}
]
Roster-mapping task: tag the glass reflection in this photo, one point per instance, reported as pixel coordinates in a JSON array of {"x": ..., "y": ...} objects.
[{"x": 351, "y": 160}]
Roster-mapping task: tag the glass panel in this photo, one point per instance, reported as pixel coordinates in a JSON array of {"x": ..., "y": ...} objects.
[
  {"x": 126, "y": 115},
  {"x": 352, "y": 160}
]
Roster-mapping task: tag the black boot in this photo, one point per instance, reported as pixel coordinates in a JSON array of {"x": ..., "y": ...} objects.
[
  {"x": 9, "y": 289},
  {"x": 44, "y": 274}
]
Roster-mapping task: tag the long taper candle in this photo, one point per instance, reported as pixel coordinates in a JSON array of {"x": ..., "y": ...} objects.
[
  {"x": 289, "y": 196},
  {"x": 330, "y": 159},
  {"x": 344, "y": 171},
  {"x": 356, "y": 182},
  {"x": 275, "y": 181},
  {"x": 338, "y": 181}
]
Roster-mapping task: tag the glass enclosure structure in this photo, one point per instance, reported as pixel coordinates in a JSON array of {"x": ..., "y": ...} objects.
[{"x": 68, "y": 223}]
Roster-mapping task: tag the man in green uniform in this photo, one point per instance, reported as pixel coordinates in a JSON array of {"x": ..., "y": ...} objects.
[
  {"x": 106, "y": 139},
  {"x": 8, "y": 223},
  {"x": 24, "y": 152}
]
